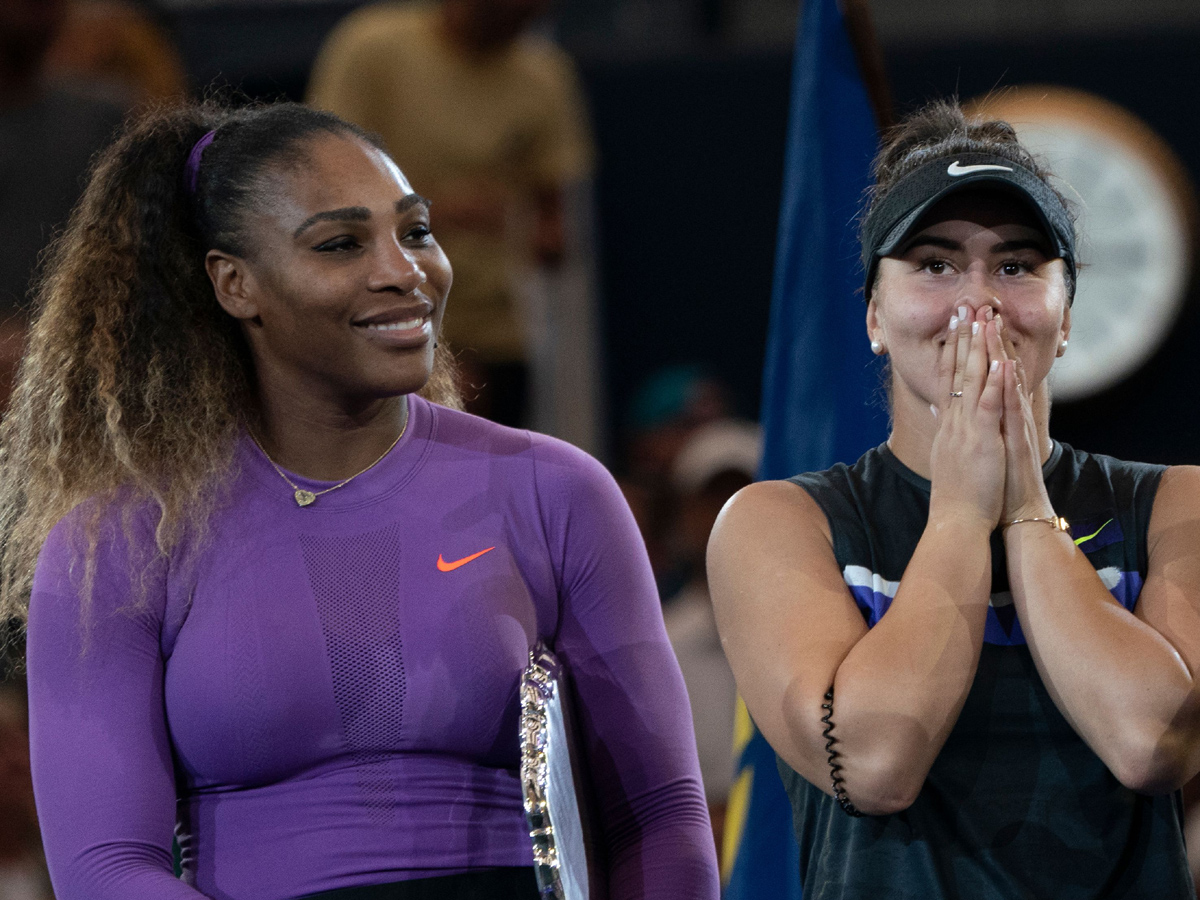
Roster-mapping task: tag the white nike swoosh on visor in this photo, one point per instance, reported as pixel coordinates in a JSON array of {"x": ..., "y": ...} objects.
[{"x": 957, "y": 171}]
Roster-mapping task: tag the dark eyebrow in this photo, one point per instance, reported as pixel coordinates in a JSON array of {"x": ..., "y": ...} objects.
[
  {"x": 345, "y": 214},
  {"x": 1024, "y": 244},
  {"x": 929, "y": 240},
  {"x": 358, "y": 213},
  {"x": 404, "y": 204}
]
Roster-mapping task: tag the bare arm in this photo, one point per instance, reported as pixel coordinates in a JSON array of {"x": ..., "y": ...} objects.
[
  {"x": 1125, "y": 682},
  {"x": 791, "y": 629}
]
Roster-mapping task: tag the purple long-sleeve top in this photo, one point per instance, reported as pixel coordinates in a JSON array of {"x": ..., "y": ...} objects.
[{"x": 327, "y": 696}]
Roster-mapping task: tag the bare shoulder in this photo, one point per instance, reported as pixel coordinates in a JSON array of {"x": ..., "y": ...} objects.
[
  {"x": 1179, "y": 483},
  {"x": 770, "y": 551},
  {"x": 1170, "y": 599},
  {"x": 768, "y": 535},
  {"x": 1176, "y": 508},
  {"x": 785, "y": 615},
  {"x": 766, "y": 512}
]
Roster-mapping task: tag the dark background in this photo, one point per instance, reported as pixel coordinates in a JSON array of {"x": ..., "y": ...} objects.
[{"x": 691, "y": 150}]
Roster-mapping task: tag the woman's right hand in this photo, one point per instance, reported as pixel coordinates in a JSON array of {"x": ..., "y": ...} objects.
[{"x": 967, "y": 462}]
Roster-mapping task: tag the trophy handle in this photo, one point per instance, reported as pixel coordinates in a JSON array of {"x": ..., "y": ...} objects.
[{"x": 553, "y": 788}]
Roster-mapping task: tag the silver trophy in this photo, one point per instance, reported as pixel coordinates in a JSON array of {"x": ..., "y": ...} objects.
[{"x": 551, "y": 781}]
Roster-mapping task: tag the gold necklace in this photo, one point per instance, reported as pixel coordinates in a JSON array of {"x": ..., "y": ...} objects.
[{"x": 307, "y": 498}]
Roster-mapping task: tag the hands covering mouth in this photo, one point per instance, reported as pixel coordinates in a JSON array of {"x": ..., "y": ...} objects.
[{"x": 987, "y": 453}]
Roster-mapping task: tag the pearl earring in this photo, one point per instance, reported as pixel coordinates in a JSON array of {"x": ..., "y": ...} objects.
[
  {"x": 1062, "y": 346},
  {"x": 876, "y": 347}
]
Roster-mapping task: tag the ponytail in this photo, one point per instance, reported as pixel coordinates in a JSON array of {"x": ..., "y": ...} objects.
[{"x": 136, "y": 384}]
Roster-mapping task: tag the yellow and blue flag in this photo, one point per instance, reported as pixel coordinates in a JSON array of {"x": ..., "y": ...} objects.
[{"x": 820, "y": 384}]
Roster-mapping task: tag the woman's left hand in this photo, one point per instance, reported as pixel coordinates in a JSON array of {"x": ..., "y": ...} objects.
[{"x": 1024, "y": 487}]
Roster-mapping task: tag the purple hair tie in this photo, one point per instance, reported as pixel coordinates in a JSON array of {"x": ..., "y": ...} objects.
[{"x": 191, "y": 169}]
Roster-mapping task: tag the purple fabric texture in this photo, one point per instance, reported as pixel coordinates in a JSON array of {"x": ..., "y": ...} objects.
[{"x": 316, "y": 703}]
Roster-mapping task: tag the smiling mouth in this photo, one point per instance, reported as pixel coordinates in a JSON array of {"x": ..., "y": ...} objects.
[{"x": 406, "y": 325}]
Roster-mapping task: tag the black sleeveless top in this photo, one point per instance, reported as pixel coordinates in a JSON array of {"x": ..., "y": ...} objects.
[{"x": 1016, "y": 805}]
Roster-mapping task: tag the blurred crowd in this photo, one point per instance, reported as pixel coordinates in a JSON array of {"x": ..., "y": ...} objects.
[
  {"x": 491, "y": 125},
  {"x": 68, "y": 73},
  {"x": 686, "y": 454}
]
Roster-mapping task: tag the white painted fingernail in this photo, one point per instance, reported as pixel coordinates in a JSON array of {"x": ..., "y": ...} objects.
[
  {"x": 962, "y": 312},
  {"x": 995, "y": 365},
  {"x": 933, "y": 409},
  {"x": 954, "y": 323},
  {"x": 974, "y": 328}
]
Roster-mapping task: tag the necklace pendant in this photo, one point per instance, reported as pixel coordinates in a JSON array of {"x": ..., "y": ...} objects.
[{"x": 304, "y": 498}]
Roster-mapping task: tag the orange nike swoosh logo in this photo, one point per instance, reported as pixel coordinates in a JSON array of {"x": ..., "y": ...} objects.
[{"x": 444, "y": 566}]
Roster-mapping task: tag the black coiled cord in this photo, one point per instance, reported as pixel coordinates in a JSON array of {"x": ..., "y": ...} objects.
[{"x": 835, "y": 768}]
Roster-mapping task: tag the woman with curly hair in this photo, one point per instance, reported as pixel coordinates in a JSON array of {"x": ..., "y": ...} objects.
[
  {"x": 279, "y": 589},
  {"x": 974, "y": 649}
]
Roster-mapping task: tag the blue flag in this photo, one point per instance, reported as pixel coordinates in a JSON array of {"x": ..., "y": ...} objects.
[{"x": 820, "y": 382}]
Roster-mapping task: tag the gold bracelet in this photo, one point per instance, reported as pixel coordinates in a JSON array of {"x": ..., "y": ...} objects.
[{"x": 1058, "y": 523}]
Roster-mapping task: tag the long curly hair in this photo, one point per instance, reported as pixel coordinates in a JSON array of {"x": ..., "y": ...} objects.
[{"x": 136, "y": 384}]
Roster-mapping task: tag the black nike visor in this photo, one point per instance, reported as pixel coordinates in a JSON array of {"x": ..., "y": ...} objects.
[{"x": 891, "y": 220}]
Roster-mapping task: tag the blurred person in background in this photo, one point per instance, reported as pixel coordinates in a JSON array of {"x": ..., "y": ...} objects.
[
  {"x": 22, "y": 868},
  {"x": 117, "y": 47},
  {"x": 490, "y": 120},
  {"x": 48, "y": 132},
  {"x": 666, "y": 410},
  {"x": 717, "y": 461}
]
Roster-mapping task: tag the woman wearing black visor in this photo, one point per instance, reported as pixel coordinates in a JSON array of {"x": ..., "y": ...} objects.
[{"x": 973, "y": 650}]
